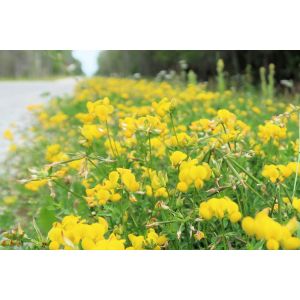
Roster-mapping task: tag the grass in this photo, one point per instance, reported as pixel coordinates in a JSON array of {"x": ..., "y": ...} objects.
[{"x": 157, "y": 166}]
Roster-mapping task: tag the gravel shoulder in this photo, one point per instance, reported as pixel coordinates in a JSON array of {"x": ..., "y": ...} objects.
[{"x": 15, "y": 96}]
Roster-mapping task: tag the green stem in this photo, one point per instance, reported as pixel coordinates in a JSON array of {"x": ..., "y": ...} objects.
[
  {"x": 150, "y": 149},
  {"x": 69, "y": 191},
  {"x": 298, "y": 159},
  {"x": 273, "y": 205},
  {"x": 173, "y": 127},
  {"x": 287, "y": 194},
  {"x": 224, "y": 236},
  {"x": 234, "y": 171},
  {"x": 109, "y": 138},
  {"x": 245, "y": 171},
  {"x": 225, "y": 131},
  {"x": 279, "y": 203}
]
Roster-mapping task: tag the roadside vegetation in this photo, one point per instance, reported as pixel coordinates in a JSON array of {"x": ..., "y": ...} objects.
[{"x": 168, "y": 163}]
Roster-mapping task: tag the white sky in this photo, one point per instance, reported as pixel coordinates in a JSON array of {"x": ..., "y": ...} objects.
[{"x": 88, "y": 59}]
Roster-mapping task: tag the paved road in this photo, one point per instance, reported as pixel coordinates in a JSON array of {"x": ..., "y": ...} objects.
[{"x": 15, "y": 96}]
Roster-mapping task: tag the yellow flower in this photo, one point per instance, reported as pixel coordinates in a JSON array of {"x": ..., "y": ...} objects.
[
  {"x": 35, "y": 184},
  {"x": 128, "y": 179},
  {"x": 58, "y": 118},
  {"x": 92, "y": 132},
  {"x": 151, "y": 124},
  {"x": 271, "y": 172},
  {"x": 74, "y": 232},
  {"x": 182, "y": 187},
  {"x": 54, "y": 154},
  {"x": 101, "y": 108},
  {"x": 272, "y": 244},
  {"x": 293, "y": 166},
  {"x": 296, "y": 203},
  {"x": 248, "y": 226},
  {"x": 151, "y": 241},
  {"x": 177, "y": 157},
  {"x": 226, "y": 116},
  {"x": 54, "y": 245},
  {"x": 8, "y": 135},
  {"x": 271, "y": 131},
  {"x": 199, "y": 235},
  {"x": 218, "y": 207},
  {"x": 149, "y": 191},
  {"x": 235, "y": 217},
  {"x": 114, "y": 148},
  {"x": 137, "y": 241},
  {"x": 162, "y": 107},
  {"x": 85, "y": 118},
  {"x": 9, "y": 200},
  {"x": 102, "y": 196},
  {"x": 161, "y": 192},
  {"x": 277, "y": 172},
  {"x": 192, "y": 174},
  {"x": 158, "y": 147},
  {"x": 181, "y": 139},
  {"x": 265, "y": 228},
  {"x": 291, "y": 243},
  {"x": 13, "y": 148}
]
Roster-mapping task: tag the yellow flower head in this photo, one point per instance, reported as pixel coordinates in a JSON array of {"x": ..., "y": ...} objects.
[
  {"x": 177, "y": 157},
  {"x": 162, "y": 107},
  {"x": 219, "y": 207}
]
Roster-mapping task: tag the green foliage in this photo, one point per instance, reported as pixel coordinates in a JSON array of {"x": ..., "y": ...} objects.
[
  {"x": 220, "y": 76},
  {"x": 271, "y": 81},
  {"x": 192, "y": 77},
  {"x": 263, "y": 82},
  {"x": 223, "y": 128},
  {"x": 150, "y": 62}
]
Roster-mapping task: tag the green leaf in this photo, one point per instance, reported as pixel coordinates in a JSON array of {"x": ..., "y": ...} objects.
[{"x": 45, "y": 220}]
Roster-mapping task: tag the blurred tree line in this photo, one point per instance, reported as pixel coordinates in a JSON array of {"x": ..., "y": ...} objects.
[
  {"x": 36, "y": 64},
  {"x": 203, "y": 63}
]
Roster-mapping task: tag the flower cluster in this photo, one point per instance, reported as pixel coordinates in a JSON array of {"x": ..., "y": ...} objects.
[
  {"x": 219, "y": 208},
  {"x": 158, "y": 182},
  {"x": 168, "y": 165},
  {"x": 192, "y": 174},
  {"x": 54, "y": 153},
  {"x": 73, "y": 233},
  {"x": 278, "y": 173},
  {"x": 151, "y": 241},
  {"x": 101, "y": 193},
  {"x": 262, "y": 227},
  {"x": 34, "y": 185},
  {"x": 177, "y": 158},
  {"x": 271, "y": 131},
  {"x": 163, "y": 107}
]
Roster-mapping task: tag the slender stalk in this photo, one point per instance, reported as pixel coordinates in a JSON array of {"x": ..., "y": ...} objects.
[
  {"x": 298, "y": 159},
  {"x": 67, "y": 190},
  {"x": 173, "y": 127},
  {"x": 240, "y": 179},
  {"x": 287, "y": 194},
  {"x": 234, "y": 171},
  {"x": 225, "y": 131},
  {"x": 224, "y": 236},
  {"x": 109, "y": 139},
  {"x": 279, "y": 202},
  {"x": 150, "y": 149},
  {"x": 245, "y": 171},
  {"x": 273, "y": 205}
]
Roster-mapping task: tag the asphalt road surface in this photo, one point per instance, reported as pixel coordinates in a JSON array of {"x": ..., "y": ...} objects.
[{"x": 15, "y": 96}]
